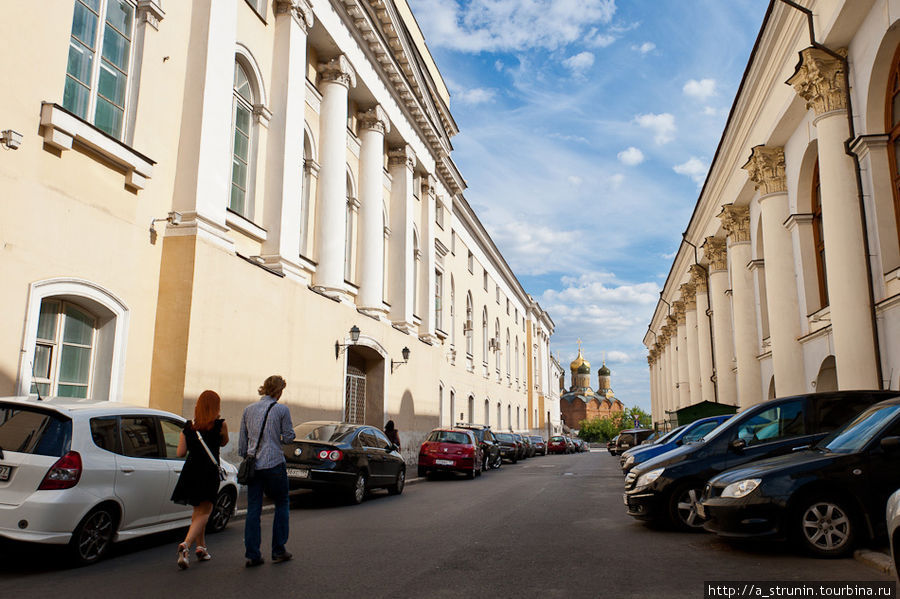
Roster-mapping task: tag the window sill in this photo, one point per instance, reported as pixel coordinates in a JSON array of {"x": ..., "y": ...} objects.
[
  {"x": 61, "y": 129},
  {"x": 236, "y": 221}
]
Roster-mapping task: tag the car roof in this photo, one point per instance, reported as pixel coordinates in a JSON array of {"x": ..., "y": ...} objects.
[
  {"x": 70, "y": 406},
  {"x": 636, "y": 430}
]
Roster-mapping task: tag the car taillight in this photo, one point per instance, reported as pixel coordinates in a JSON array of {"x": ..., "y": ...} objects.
[
  {"x": 64, "y": 474},
  {"x": 334, "y": 455}
]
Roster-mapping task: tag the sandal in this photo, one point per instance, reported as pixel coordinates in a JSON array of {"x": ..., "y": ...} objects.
[
  {"x": 183, "y": 556},
  {"x": 202, "y": 554}
]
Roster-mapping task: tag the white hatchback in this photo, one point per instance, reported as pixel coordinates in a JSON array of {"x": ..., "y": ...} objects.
[{"x": 88, "y": 473}]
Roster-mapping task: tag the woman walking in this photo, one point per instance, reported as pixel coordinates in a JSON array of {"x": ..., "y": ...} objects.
[{"x": 198, "y": 483}]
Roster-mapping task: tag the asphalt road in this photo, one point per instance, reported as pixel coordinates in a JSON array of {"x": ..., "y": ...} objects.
[{"x": 546, "y": 527}]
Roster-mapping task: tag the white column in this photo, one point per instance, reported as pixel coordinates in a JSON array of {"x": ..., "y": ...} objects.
[
  {"x": 426, "y": 274},
  {"x": 689, "y": 297},
  {"x": 683, "y": 382},
  {"x": 337, "y": 78},
  {"x": 766, "y": 169},
  {"x": 820, "y": 80},
  {"x": 672, "y": 366},
  {"x": 373, "y": 124},
  {"x": 737, "y": 222},
  {"x": 284, "y": 158},
  {"x": 401, "y": 162},
  {"x": 704, "y": 344},
  {"x": 202, "y": 181},
  {"x": 723, "y": 334}
]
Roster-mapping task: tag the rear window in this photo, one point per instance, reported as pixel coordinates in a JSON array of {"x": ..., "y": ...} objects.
[
  {"x": 316, "y": 431},
  {"x": 449, "y": 437},
  {"x": 24, "y": 429},
  {"x": 556, "y": 438},
  {"x": 505, "y": 437}
]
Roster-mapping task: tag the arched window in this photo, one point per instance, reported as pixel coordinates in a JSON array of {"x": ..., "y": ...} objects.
[
  {"x": 508, "y": 358},
  {"x": 487, "y": 411},
  {"x": 518, "y": 418},
  {"x": 516, "y": 348},
  {"x": 471, "y": 409},
  {"x": 452, "y": 311},
  {"x": 308, "y": 167},
  {"x": 415, "y": 273},
  {"x": 441, "y": 406},
  {"x": 499, "y": 416},
  {"x": 819, "y": 238},
  {"x": 469, "y": 325},
  {"x": 241, "y": 140},
  {"x": 497, "y": 347},
  {"x": 892, "y": 126},
  {"x": 349, "y": 245},
  {"x": 452, "y": 407},
  {"x": 509, "y": 416},
  {"x": 484, "y": 338},
  {"x": 384, "y": 253}
]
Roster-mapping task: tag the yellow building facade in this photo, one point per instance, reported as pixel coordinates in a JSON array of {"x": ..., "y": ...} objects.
[{"x": 204, "y": 193}]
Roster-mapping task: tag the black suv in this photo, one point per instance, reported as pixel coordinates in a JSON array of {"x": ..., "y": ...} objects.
[
  {"x": 490, "y": 446},
  {"x": 629, "y": 438},
  {"x": 669, "y": 487}
]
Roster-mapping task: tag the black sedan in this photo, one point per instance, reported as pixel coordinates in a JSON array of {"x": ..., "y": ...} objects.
[
  {"x": 827, "y": 498},
  {"x": 349, "y": 458},
  {"x": 509, "y": 448}
]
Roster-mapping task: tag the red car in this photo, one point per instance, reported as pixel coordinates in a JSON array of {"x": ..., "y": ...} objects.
[
  {"x": 557, "y": 444},
  {"x": 452, "y": 450}
]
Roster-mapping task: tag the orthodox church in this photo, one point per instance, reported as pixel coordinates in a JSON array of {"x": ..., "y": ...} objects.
[{"x": 580, "y": 401}]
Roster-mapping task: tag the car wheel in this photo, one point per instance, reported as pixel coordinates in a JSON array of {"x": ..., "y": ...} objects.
[
  {"x": 498, "y": 461},
  {"x": 422, "y": 472},
  {"x": 398, "y": 485},
  {"x": 683, "y": 507},
  {"x": 93, "y": 536},
  {"x": 358, "y": 491},
  {"x": 825, "y": 527},
  {"x": 222, "y": 511}
]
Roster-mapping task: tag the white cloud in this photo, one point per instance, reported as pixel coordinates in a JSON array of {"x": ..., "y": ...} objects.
[
  {"x": 662, "y": 125},
  {"x": 693, "y": 168},
  {"x": 702, "y": 89},
  {"x": 579, "y": 63},
  {"x": 509, "y": 25},
  {"x": 616, "y": 180},
  {"x": 670, "y": 256},
  {"x": 575, "y": 180},
  {"x": 644, "y": 48},
  {"x": 499, "y": 66},
  {"x": 619, "y": 357},
  {"x": 631, "y": 156},
  {"x": 477, "y": 95},
  {"x": 599, "y": 40},
  {"x": 533, "y": 249}
]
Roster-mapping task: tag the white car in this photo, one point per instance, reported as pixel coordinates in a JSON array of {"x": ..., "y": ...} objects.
[
  {"x": 893, "y": 527},
  {"x": 88, "y": 473}
]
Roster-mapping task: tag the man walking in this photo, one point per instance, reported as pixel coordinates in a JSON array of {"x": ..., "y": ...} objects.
[{"x": 265, "y": 426}]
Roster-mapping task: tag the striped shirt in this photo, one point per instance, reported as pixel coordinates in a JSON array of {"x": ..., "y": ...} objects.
[{"x": 279, "y": 431}]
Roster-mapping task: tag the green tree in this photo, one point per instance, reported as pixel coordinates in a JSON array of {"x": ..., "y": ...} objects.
[{"x": 598, "y": 430}]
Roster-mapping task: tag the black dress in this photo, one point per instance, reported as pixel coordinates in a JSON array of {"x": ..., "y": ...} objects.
[{"x": 199, "y": 479}]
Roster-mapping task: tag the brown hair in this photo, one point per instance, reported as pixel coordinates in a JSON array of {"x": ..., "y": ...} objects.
[
  {"x": 206, "y": 411},
  {"x": 273, "y": 386}
]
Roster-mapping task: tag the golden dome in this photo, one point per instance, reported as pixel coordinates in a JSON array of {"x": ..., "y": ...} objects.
[{"x": 578, "y": 362}]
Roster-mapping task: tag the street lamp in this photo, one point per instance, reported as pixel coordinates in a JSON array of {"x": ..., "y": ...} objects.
[
  {"x": 354, "y": 337},
  {"x": 405, "y": 353}
]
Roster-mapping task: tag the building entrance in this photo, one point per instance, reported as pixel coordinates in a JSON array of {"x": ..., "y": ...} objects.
[{"x": 364, "y": 387}]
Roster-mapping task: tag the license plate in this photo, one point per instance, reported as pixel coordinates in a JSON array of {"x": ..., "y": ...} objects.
[
  {"x": 298, "y": 472},
  {"x": 4, "y": 473},
  {"x": 444, "y": 462}
]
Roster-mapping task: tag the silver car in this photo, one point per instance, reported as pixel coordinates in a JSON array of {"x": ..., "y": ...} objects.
[
  {"x": 893, "y": 526},
  {"x": 88, "y": 473}
]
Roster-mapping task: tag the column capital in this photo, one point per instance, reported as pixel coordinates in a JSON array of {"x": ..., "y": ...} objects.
[
  {"x": 300, "y": 10},
  {"x": 689, "y": 295},
  {"x": 766, "y": 169},
  {"x": 736, "y": 220},
  {"x": 715, "y": 250},
  {"x": 338, "y": 70},
  {"x": 820, "y": 80},
  {"x": 402, "y": 156},
  {"x": 698, "y": 278},
  {"x": 375, "y": 119},
  {"x": 679, "y": 308}
]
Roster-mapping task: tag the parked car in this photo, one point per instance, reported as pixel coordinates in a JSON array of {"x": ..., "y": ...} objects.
[
  {"x": 570, "y": 445},
  {"x": 509, "y": 448},
  {"x": 539, "y": 446},
  {"x": 451, "y": 450},
  {"x": 827, "y": 498},
  {"x": 611, "y": 445},
  {"x": 688, "y": 433},
  {"x": 344, "y": 457},
  {"x": 668, "y": 487},
  {"x": 490, "y": 448},
  {"x": 87, "y": 473},
  {"x": 893, "y": 524},
  {"x": 629, "y": 438},
  {"x": 529, "y": 446},
  {"x": 556, "y": 444},
  {"x": 623, "y": 457},
  {"x": 653, "y": 437},
  {"x": 522, "y": 448}
]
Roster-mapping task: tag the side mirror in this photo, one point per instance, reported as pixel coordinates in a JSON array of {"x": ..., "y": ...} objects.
[
  {"x": 738, "y": 445},
  {"x": 890, "y": 444}
]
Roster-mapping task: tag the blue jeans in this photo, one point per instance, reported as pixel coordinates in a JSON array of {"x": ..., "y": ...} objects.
[{"x": 274, "y": 482}]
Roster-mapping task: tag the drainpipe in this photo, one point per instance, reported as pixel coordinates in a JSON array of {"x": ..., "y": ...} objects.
[
  {"x": 712, "y": 345},
  {"x": 858, "y": 170}
]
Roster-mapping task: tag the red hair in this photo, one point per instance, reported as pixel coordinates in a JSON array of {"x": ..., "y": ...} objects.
[{"x": 206, "y": 411}]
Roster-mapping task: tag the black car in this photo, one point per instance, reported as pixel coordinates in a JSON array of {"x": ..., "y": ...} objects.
[
  {"x": 509, "y": 447},
  {"x": 350, "y": 458},
  {"x": 668, "y": 487},
  {"x": 529, "y": 446},
  {"x": 629, "y": 438},
  {"x": 827, "y": 497},
  {"x": 490, "y": 448},
  {"x": 540, "y": 447}
]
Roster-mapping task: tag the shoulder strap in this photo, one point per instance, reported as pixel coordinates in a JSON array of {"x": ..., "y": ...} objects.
[
  {"x": 263, "y": 427},
  {"x": 208, "y": 452}
]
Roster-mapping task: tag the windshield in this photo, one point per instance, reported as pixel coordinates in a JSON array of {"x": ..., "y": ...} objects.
[
  {"x": 448, "y": 437},
  {"x": 860, "y": 431},
  {"x": 700, "y": 431},
  {"x": 334, "y": 432},
  {"x": 505, "y": 437},
  {"x": 668, "y": 436}
]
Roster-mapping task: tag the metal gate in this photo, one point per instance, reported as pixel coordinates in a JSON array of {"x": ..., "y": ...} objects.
[{"x": 355, "y": 400}]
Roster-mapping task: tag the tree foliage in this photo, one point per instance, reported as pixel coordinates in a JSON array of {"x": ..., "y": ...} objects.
[{"x": 603, "y": 429}]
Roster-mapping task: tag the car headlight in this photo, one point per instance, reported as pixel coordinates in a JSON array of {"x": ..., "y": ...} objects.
[
  {"x": 742, "y": 488},
  {"x": 647, "y": 478},
  {"x": 629, "y": 461}
]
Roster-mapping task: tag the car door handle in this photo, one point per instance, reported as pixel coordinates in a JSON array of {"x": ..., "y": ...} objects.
[{"x": 127, "y": 469}]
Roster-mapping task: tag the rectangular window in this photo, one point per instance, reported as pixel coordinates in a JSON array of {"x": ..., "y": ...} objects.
[
  {"x": 497, "y": 292},
  {"x": 63, "y": 350},
  {"x": 471, "y": 263},
  {"x": 439, "y": 214},
  {"x": 96, "y": 86},
  {"x": 140, "y": 438},
  {"x": 438, "y": 298},
  {"x": 485, "y": 279},
  {"x": 453, "y": 242}
]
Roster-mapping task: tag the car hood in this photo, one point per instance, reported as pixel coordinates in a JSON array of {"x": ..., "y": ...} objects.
[
  {"x": 785, "y": 465},
  {"x": 670, "y": 458}
]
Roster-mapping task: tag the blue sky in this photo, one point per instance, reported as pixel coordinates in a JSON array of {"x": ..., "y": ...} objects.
[{"x": 587, "y": 128}]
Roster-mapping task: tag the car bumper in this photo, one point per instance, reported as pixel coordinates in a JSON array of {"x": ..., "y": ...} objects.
[
  {"x": 643, "y": 505},
  {"x": 46, "y": 516},
  {"x": 459, "y": 465},
  {"x": 743, "y": 518},
  {"x": 321, "y": 479}
]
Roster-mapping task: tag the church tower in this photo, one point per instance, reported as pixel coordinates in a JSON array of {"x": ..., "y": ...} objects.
[
  {"x": 603, "y": 378},
  {"x": 581, "y": 374}
]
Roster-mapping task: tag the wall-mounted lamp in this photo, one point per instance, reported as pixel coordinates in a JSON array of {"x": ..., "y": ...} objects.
[
  {"x": 405, "y": 353},
  {"x": 173, "y": 218},
  {"x": 354, "y": 337},
  {"x": 10, "y": 139}
]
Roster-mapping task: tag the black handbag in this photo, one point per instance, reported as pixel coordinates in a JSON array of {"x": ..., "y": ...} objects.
[{"x": 248, "y": 464}]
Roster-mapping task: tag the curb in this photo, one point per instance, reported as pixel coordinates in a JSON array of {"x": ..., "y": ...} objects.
[
  {"x": 242, "y": 512},
  {"x": 875, "y": 559}
]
